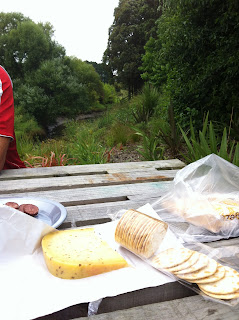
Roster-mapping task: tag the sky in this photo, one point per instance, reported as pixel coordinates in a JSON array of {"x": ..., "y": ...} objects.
[{"x": 81, "y": 26}]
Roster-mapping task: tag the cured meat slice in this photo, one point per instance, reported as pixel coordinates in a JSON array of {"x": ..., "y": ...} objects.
[
  {"x": 12, "y": 205},
  {"x": 31, "y": 209},
  {"x": 21, "y": 208}
]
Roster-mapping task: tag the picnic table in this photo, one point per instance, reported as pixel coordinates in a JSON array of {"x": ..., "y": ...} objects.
[{"x": 92, "y": 194}]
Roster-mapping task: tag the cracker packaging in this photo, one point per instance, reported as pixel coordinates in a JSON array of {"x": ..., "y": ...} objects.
[
  {"x": 213, "y": 279},
  {"x": 143, "y": 235},
  {"x": 140, "y": 233}
]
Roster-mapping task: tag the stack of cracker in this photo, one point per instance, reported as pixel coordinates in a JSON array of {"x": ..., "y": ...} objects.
[
  {"x": 214, "y": 279},
  {"x": 140, "y": 233}
]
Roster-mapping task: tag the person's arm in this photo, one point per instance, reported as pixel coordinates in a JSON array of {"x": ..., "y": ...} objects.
[
  {"x": 6, "y": 115},
  {"x": 4, "y": 143}
]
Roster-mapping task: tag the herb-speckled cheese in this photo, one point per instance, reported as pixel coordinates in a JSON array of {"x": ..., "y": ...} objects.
[{"x": 79, "y": 253}]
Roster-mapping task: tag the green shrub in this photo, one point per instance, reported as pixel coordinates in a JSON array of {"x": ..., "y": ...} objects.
[
  {"x": 89, "y": 151},
  {"x": 207, "y": 141},
  {"x": 26, "y": 125},
  {"x": 106, "y": 120},
  {"x": 119, "y": 134},
  {"x": 110, "y": 95},
  {"x": 124, "y": 113},
  {"x": 71, "y": 129},
  {"x": 150, "y": 149},
  {"x": 144, "y": 105}
]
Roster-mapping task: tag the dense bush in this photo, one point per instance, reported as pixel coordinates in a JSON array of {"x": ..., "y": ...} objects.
[
  {"x": 195, "y": 55},
  {"x": 52, "y": 91},
  {"x": 109, "y": 94},
  {"x": 144, "y": 104}
]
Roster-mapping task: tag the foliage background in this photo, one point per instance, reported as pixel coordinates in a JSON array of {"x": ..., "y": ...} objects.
[
  {"x": 169, "y": 69},
  {"x": 195, "y": 58}
]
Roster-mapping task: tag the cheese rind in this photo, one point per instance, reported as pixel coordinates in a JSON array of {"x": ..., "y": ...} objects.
[{"x": 79, "y": 253}]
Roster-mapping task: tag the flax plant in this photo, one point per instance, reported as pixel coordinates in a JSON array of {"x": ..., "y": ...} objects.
[{"x": 207, "y": 142}]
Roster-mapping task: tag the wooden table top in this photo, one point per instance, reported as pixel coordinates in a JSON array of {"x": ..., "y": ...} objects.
[{"x": 91, "y": 194}]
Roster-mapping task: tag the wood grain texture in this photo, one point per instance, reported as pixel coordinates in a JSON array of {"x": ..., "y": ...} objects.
[
  {"x": 81, "y": 196},
  {"x": 189, "y": 308},
  {"x": 82, "y": 181},
  {"x": 60, "y": 171}
]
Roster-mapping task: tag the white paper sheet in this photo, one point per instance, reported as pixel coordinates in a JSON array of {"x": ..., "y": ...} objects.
[{"x": 30, "y": 291}]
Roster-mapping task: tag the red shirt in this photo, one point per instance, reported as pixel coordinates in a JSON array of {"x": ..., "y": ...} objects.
[{"x": 13, "y": 160}]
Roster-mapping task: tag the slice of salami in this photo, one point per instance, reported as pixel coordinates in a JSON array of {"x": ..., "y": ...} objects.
[
  {"x": 12, "y": 205},
  {"x": 21, "y": 208},
  {"x": 31, "y": 209}
]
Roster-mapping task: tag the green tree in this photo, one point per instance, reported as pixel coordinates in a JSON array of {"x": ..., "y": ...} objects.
[
  {"x": 47, "y": 84},
  {"x": 133, "y": 25},
  {"x": 9, "y": 21},
  {"x": 59, "y": 87},
  {"x": 87, "y": 77},
  {"x": 52, "y": 92},
  {"x": 103, "y": 70},
  {"x": 195, "y": 55},
  {"x": 24, "y": 45}
]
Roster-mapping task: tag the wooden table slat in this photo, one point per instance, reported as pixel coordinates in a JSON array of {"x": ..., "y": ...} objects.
[
  {"x": 59, "y": 171},
  {"x": 98, "y": 194},
  {"x": 94, "y": 194},
  {"x": 73, "y": 182}
]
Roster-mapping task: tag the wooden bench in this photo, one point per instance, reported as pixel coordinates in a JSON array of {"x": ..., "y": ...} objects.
[{"x": 92, "y": 194}]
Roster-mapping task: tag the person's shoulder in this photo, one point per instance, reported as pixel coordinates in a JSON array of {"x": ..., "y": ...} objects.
[
  {"x": 2, "y": 69},
  {"x": 4, "y": 74}
]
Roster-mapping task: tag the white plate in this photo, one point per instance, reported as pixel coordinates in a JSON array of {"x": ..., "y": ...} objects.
[{"x": 51, "y": 212}]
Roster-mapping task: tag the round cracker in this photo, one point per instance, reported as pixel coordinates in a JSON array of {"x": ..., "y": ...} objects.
[
  {"x": 201, "y": 263},
  {"x": 147, "y": 232},
  {"x": 228, "y": 284},
  {"x": 218, "y": 275},
  {"x": 172, "y": 257},
  {"x": 128, "y": 221},
  {"x": 133, "y": 228},
  {"x": 145, "y": 246},
  {"x": 140, "y": 232},
  {"x": 155, "y": 239},
  {"x": 136, "y": 232},
  {"x": 192, "y": 260},
  {"x": 206, "y": 271},
  {"x": 228, "y": 296},
  {"x": 120, "y": 228}
]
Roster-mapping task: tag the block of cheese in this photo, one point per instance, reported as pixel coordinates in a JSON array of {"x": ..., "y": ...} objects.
[{"x": 79, "y": 253}]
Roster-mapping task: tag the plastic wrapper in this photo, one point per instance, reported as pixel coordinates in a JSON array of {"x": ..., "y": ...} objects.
[
  {"x": 93, "y": 307},
  {"x": 205, "y": 194},
  {"x": 210, "y": 272}
]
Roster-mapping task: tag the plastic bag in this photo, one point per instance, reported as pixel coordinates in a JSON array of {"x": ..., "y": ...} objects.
[
  {"x": 223, "y": 289},
  {"x": 211, "y": 272},
  {"x": 205, "y": 194},
  {"x": 93, "y": 307}
]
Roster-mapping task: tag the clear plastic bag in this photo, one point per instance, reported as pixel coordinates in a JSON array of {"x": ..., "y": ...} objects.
[
  {"x": 193, "y": 264},
  {"x": 226, "y": 258},
  {"x": 205, "y": 195}
]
